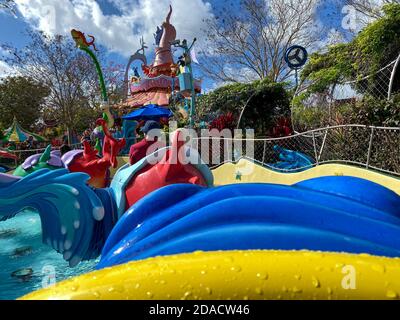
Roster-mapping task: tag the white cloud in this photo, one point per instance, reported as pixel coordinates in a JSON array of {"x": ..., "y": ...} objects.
[
  {"x": 5, "y": 69},
  {"x": 118, "y": 33}
]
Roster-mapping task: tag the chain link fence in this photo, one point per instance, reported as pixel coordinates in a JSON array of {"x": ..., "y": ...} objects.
[
  {"x": 22, "y": 155},
  {"x": 369, "y": 147},
  {"x": 315, "y": 110}
]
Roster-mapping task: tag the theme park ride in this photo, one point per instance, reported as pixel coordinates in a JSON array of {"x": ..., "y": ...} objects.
[
  {"x": 164, "y": 78},
  {"x": 168, "y": 229}
]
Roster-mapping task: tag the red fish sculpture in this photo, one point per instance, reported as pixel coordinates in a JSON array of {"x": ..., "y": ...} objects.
[
  {"x": 90, "y": 162},
  {"x": 169, "y": 170}
]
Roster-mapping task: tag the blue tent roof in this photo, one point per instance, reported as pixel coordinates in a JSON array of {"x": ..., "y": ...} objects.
[{"x": 149, "y": 112}]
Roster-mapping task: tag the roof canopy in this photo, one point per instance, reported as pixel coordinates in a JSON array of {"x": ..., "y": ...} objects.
[
  {"x": 17, "y": 134},
  {"x": 149, "y": 112}
]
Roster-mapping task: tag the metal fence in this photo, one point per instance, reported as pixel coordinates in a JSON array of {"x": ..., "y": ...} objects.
[
  {"x": 24, "y": 154},
  {"x": 370, "y": 147},
  {"x": 375, "y": 148},
  {"x": 379, "y": 85}
]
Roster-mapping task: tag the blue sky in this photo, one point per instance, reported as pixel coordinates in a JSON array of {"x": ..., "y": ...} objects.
[{"x": 118, "y": 24}]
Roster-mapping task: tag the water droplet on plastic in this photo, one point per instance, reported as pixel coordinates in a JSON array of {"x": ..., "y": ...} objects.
[
  {"x": 98, "y": 213},
  {"x": 297, "y": 290},
  {"x": 262, "y": 275},
  {"x": 392, "y": 294},
  {"x": 186, "y": 295},
  {"x": 74, "y": 191},
  {"x": 315, "y": 282},
  {"x": 236, "y": 269}
]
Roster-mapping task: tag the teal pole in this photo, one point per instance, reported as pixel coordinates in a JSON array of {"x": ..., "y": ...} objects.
[
  {"x": 192, "y": 100},
  {"x": 188, "y": 64},
  {"x": 193, "y": 92}
]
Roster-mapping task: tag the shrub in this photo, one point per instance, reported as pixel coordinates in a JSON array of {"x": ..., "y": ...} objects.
[{"x": 266, "y": 102}]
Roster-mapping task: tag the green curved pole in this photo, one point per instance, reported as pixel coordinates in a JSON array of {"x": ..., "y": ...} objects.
[
  {"x": 82, "y": 43},
  {"x": 99, "y": 72}
]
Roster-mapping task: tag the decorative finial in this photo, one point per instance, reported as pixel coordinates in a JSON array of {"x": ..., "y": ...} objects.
[{"x": 169, "y": 14}]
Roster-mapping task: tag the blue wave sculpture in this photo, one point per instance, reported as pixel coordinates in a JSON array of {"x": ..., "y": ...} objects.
[
  {"x": 328, "y": 213},
  {"x": 72, "y": 214}
]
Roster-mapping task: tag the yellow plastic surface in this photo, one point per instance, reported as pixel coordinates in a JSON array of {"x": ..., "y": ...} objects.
[
  {"x": 238, "y": 275},
  {"x": 246, "y": 171}
]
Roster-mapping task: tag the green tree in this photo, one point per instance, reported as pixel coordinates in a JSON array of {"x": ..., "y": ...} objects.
[
  {"x": 68, "y": 73},
  {"x": 22, "y": 98},
  {"x": 264, "y": 101},
  {"x": 373, "y": 48},
  {"x": 357, "y": 62}
]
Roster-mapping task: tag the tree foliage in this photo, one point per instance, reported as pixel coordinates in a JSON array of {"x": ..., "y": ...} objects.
[
  {"x": 68, "y": 72},
  {"x": 375, "y": 112},
  {"x": 22, "y": 98},
  {"x": 369, "y": 111},
  {"x": 265, "y": 102},
  {"x": 8, "y": 6},
  {"x": 373, "y": 48},
  {"x": 371, "y": 9}
]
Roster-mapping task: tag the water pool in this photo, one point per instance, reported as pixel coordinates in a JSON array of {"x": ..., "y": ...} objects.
[{"x": 21, "y": 247}]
